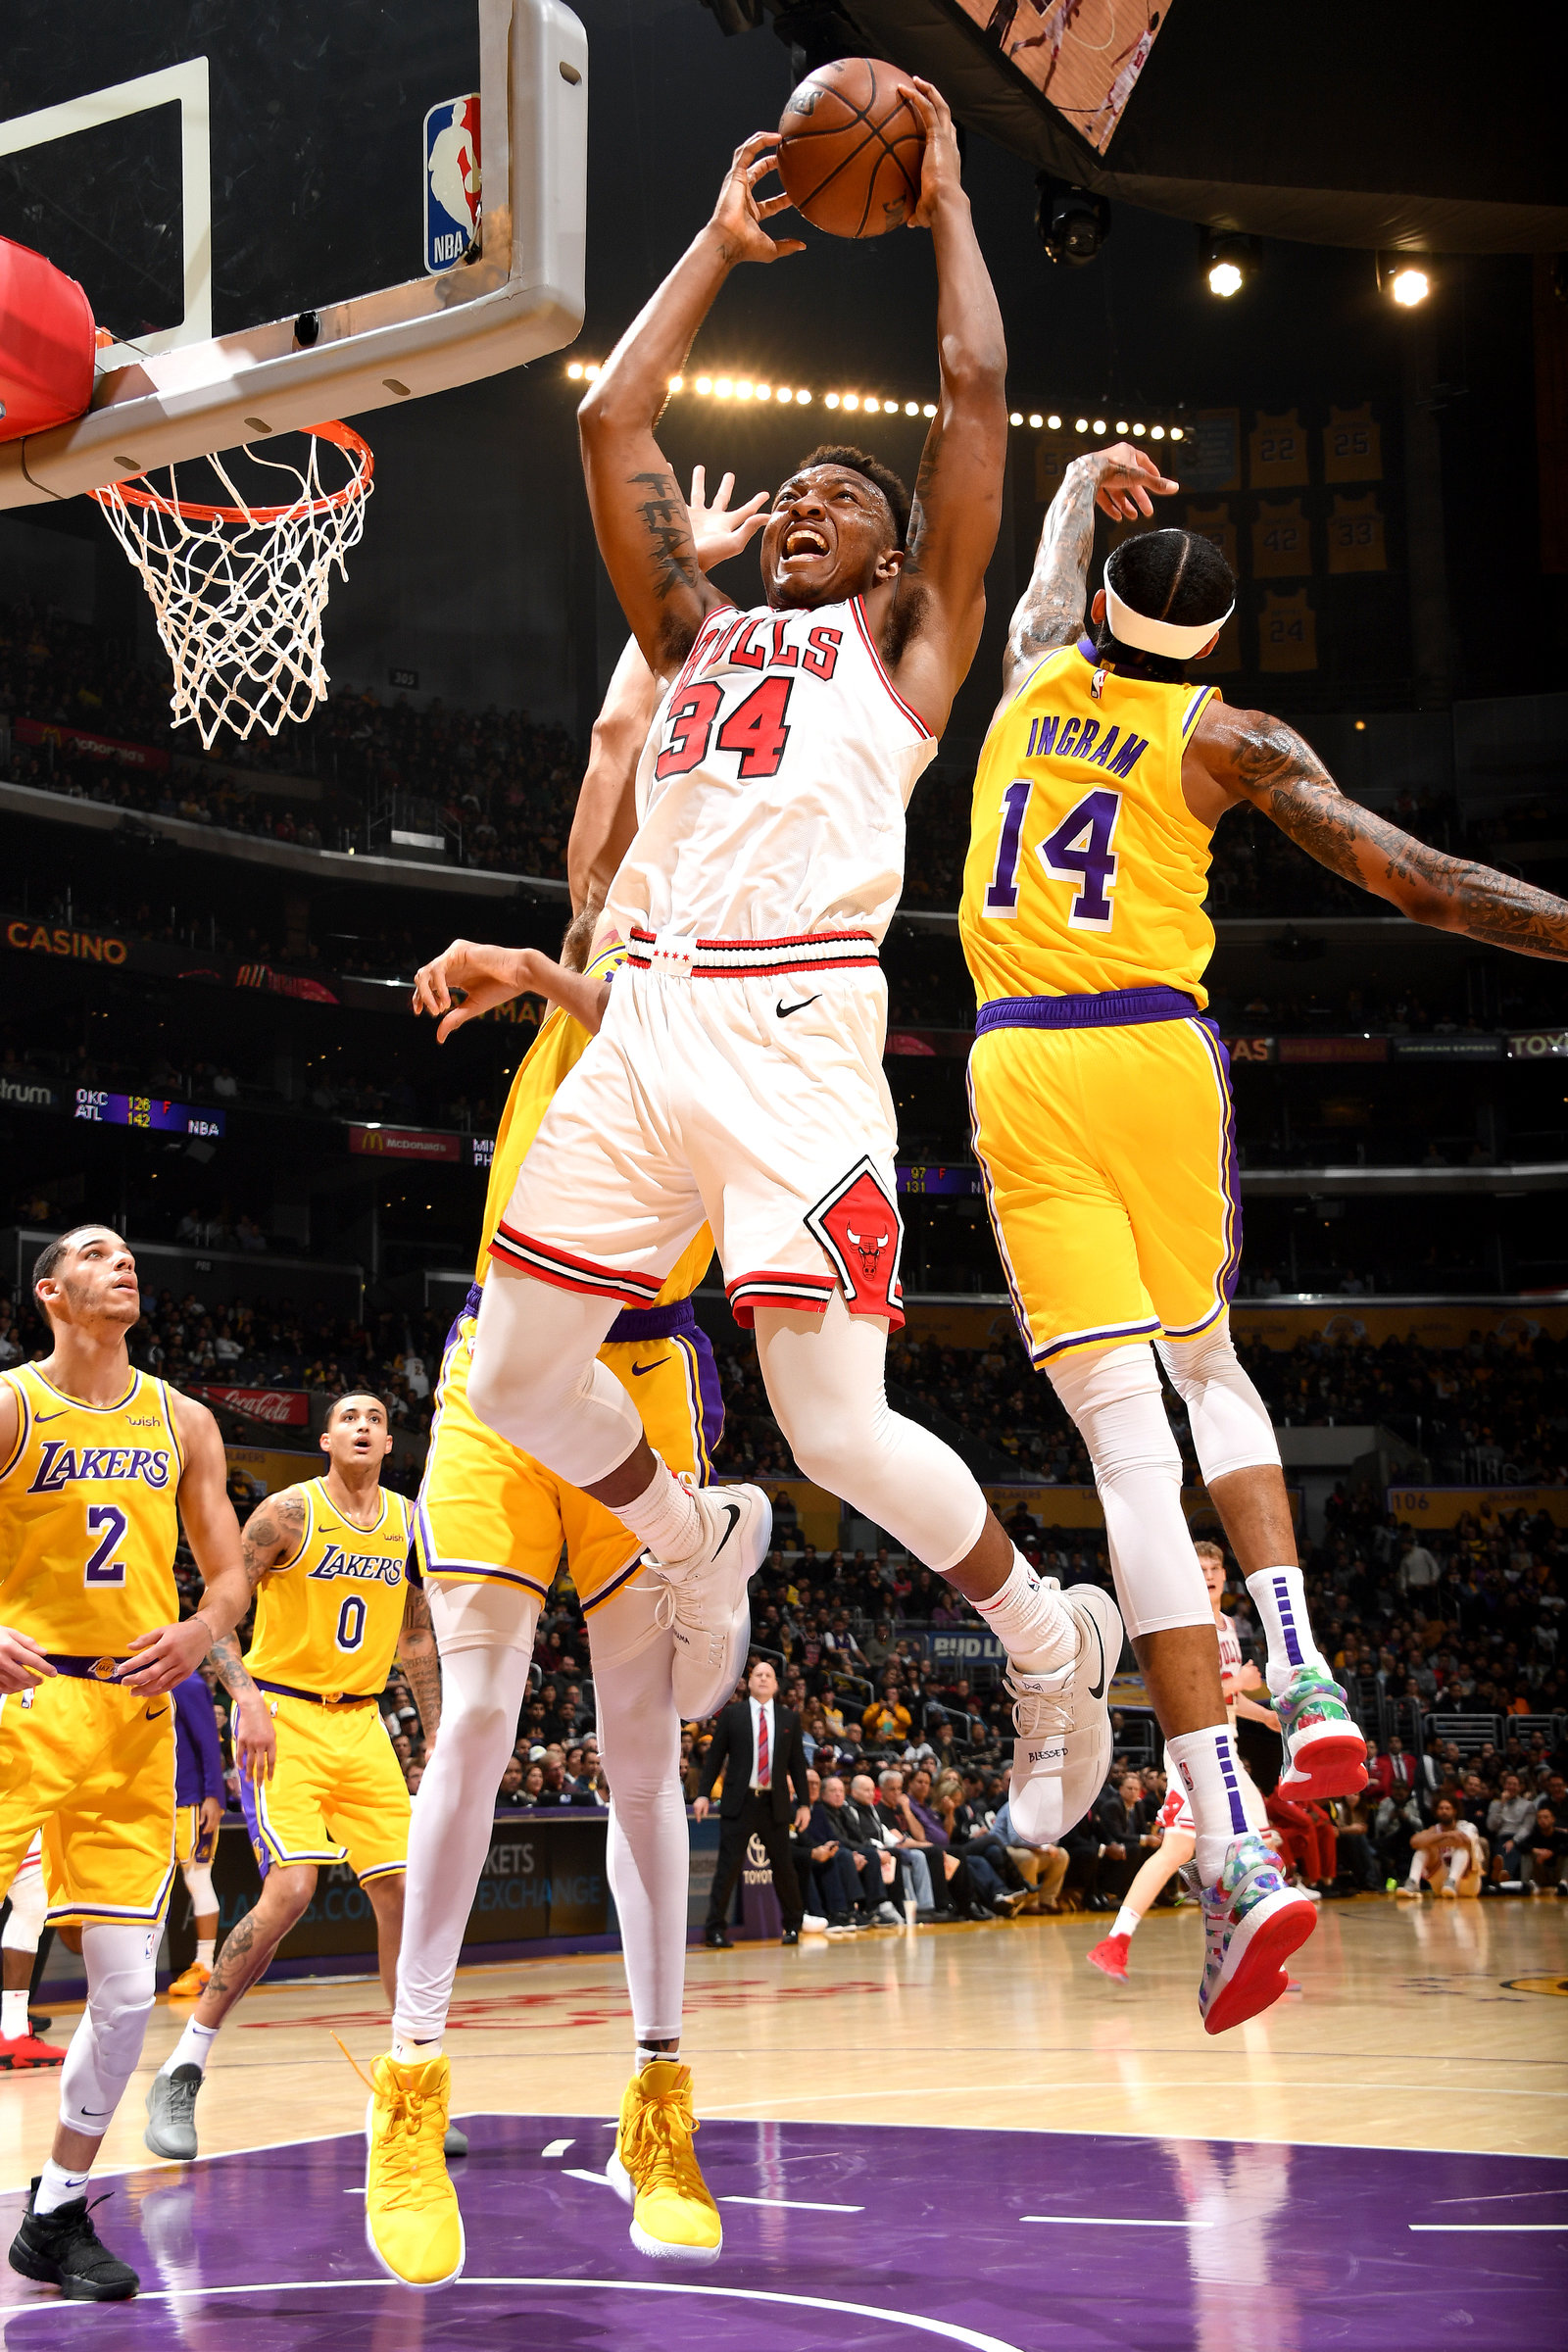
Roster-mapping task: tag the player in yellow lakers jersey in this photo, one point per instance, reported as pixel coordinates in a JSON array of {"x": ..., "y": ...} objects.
[
  {"x": 1101, "y": 1116},
  {"x": 99, "y": 1466},
  {"x": 333, "y": 1607},
  {"x": 490, "y": 1526}
]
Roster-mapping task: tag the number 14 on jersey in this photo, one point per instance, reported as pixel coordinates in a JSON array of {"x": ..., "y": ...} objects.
[{"x": 1078, "y": 851}]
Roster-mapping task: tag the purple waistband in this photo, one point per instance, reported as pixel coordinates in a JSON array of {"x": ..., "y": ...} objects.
[
  {"x": 631, "y": 1328},
  {"x": 1119, "y": 1007}
]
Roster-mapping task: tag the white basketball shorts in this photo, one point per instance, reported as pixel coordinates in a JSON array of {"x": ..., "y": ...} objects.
[{"x": 738, "y": 1082}]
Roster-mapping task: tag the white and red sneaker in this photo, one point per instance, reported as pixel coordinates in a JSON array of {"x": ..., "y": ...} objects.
[
  {"x": 1252, "y": 1921},
  {"x": 705, "y": 1603},
  {"x": 1062, "y": 1720},
  {"x": 1110, "y": 1957}
]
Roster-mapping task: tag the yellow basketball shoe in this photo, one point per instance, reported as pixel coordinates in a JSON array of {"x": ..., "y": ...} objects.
[
  {"x": 413, "y": 2222},
  {"x": 655, "y": 2168},
  {"x": 192, "y": 1985}
]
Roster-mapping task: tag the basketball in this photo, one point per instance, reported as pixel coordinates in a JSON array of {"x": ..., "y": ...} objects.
[{"x": 852, "y": 148}]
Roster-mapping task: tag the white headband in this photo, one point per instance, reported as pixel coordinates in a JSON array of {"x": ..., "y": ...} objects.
[{"x": 1151, "y": 636}]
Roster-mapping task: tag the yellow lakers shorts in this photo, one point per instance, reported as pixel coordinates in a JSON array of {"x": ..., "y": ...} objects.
[
  {"x": 93, "y": 1766},
  {"x": 492, "y": 1514},
  {"x": 1108, "y": 1156},
  {"x": 189, "y": 1844},
  {"x": 337, "y": 1793}
]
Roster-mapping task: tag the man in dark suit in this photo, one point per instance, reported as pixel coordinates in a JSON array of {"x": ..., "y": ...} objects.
[{"x": 756, "y": 1744}]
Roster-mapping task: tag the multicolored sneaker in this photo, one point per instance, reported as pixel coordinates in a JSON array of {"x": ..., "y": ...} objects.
[
  {"x": 1325, "y": 1755},
  {"x": 655, "y": 2168},
  {"x": 1110, "y": 1957},
  {"x": 1252, "y": 1921}
]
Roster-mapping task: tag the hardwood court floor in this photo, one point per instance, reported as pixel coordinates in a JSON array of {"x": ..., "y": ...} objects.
[{"x": 1415, "y": 2029}]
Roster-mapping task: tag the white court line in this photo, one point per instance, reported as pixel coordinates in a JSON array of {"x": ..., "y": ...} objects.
[
  {"x": 949, "y": 2331},
  {"x": 557, "y": 2147},
  {"x": 570, "y": 2172},
  {"x": 791, "y": 2204},
  {"x": 1110, "y": 2220},
  {"x": 1491, "y": 2229}
]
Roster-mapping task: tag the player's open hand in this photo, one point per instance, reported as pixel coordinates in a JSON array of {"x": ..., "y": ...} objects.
[
  {"x": 23, "y": 1663},
  {"x": 716, "y": 533},
  {"x": 164, "y": 1656},
  {"x": 740, "y": 212},
  {"x": 1125, "y": 479},
  {"x": 468, "y": 979},
  {"x": 941, "y": 174},
  {"x": 255, "y": 1737}
]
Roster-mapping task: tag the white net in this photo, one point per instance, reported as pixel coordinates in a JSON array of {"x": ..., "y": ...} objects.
[{"x": 239, "y": 589}]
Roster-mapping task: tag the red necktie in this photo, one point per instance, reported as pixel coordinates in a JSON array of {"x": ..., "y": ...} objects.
[{"x": 764, "y": 1776}]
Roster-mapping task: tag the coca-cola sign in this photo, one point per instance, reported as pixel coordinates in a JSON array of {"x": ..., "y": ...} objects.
[{"x": 284, "y": 1408}]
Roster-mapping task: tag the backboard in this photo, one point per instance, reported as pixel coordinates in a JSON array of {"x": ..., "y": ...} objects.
[{"x": 285, "y": 210}]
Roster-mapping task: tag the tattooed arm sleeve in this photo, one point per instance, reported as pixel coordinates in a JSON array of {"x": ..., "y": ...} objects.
[
  {"x": 419, "y": 1661},
  {"x": 1051, "y": 611},
  {"x": 267, "y": 1535},
  {"x": 1261, "y": 759}
]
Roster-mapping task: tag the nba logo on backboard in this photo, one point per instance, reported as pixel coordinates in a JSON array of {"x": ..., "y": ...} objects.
[{"x": 450, "y": 181}]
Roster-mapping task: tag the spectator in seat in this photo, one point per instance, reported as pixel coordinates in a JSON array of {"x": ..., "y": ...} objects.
[
  {"x": 1043, "y": 1868},
  {"x": 887, "y": 1721},
  {"x": 850, "y": 1825},
  {"x": 1395, "y": 1824},
  {"x": 1452, "y": 1851},
  {"x": 956, "y": 1887},
  {"x": 1309, "y": 1839},
  {"x": 826, "y": 1869},
  {"x": 1353, "y": 1818},
  {"x": 913, "y": 1866},
  {"x": 1511, "y": 1817},
  {"x": 1546, "y": 1860},
  {"x": 511, "y": 1792}
]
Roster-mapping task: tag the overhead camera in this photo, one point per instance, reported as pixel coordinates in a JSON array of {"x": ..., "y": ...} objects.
[{"x": 1073, "y": 222}]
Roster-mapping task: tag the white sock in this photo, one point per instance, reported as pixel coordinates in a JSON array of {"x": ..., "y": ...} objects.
[
  {"x": 1212, "y": 1779},
  {"x": 647, "y": 2057},
  {"x": 193, "y": 2048},
  {"x": 1279, "y": 1596},
  {"x": 665, "y": 1515},
  {"x": 1029, "y": 1621},
  {"x": 1418, "y": 1869},
  {"x": 414, "y": 2053},
  {"x": 14, "y": 2014},
  {"x": 1127, "y": 1921},
  {"x": 56, "y": 2187},
  {"x": 1457, "y": 1862},
  {"x": 205, "y": 1947}
]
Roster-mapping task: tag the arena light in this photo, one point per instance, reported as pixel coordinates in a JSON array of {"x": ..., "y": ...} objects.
[
  {"x": 930, "y": 409},
  {"x": 591, "y": 371},
  {"x": 1100, "y": 424},
  {"x": 724, "y": 386},
  {"x": 574, "y": 371},
  {"x": 872, "y": 404},
  {"x": 833, "y": 401},
  {"x": 1015, "y": 417},
  {"x": 1055, "y": 423},
  {"x": 764, "y": 391},
  {"x": 1228, "y": 262},
  {"x": 1176, "y": 433},
  {"x": 1409, "y": 286},
  {"x": 851, "y": 399},
  {"x": 802, "y": 400},
  {"x": 1036, "y": 420},
  {"x": 743, "y": 389},
  {"x": 1082, "y": 425},
  {"x": 1156, "y": 432},
  {"x": 912, "y": 407},
  {"x": 1121, "y": 424},
  {"x": 677, "y": 383},
  {"x": 1138, "y": 431},
  {"x": 784, "y": 394}
]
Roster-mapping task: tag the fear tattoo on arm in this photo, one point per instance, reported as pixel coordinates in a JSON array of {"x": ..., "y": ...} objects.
[
  {"x": 668, "y": 527},
  {"x": 421, "y": 1661}
]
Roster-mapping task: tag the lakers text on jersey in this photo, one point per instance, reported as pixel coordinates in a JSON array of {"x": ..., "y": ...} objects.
[
  {"x": 1100, "y": 1097},
  {"x": 327, "y": 1620},
  {"x": 88, "y": 1526}
]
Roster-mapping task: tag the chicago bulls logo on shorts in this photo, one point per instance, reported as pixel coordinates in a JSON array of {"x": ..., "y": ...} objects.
[{"x": 859, "y": 1225}]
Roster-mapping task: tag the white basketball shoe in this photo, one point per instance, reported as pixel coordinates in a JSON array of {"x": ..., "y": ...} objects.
[
  {"x": 704, "y": 1603},
  {"x": 1063, "y": 1751}
]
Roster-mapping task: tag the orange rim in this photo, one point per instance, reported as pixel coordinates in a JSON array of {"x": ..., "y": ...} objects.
[{"x": 343, "y": 435}]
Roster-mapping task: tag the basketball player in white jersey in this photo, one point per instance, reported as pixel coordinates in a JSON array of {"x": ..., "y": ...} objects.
[
  {"x": 1240, "y": 1681},
  {"x": 738, "y": 1072}
]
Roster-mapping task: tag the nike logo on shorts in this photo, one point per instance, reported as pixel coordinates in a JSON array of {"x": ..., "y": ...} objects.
[
  {"x": 1098, "y": 1689},
  {"x": 638, "y": 1370},
  {"x": 734, "y": 1510},
  {"x": 784, "y": 1011},
  {"x": 152, "y": 1718}
]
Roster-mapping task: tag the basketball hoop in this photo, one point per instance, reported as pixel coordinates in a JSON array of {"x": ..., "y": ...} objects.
[{"x": 239, "y": 591}]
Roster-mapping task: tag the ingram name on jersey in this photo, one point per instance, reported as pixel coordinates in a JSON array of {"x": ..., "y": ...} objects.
[
  {"x": 1087, "y": 871},
  {"x": 327, "y": 1618},
  {"x": 771, "y": 790},
  {"x": 89, "y": 1521}
]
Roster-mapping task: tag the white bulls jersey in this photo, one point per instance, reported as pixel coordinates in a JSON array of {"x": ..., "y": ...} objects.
[{"x": 771, "y": 790}]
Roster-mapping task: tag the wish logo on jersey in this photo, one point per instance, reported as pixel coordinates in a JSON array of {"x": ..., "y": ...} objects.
[
  {"x": 859, "y": 1227},
  {"x": 62, "y": 1465},
  {"x": 368, "y": 1567}
]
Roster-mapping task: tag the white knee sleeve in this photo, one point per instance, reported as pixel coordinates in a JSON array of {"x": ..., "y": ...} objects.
[
  {"x": 122, "y": 1982},
  {"x": 485, "y": 1636},
  {"x": 1113, "y": 1396},
  {"x": 28, "y": 1903},
  {"x": 198, "y": 1877},
  {"x": 824, "y": 1380},
  {"x": 536, "y": 1379},
  {"x": 1231, "y": 1427},
  {"x": 649, "y": 1847}
]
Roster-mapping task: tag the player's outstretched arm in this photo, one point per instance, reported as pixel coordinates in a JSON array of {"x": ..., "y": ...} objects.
[
  {"x": 605, "y": 815},
  {"x": 1251, "y": 756},
  {"x": 421, "y": 1661},
  {"x": 469, "y": 978},
  {"x": 940, "y": 602},
  {"x": 639, "y": 515},
  {"x": 1120, "y": 480}
]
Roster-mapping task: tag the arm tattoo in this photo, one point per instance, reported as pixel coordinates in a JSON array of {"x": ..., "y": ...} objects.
[
  {"x": 664, "y": 519},
  {"x": 273, "y": 1529},
  {"x": 421, "y": 1661},
  {"x": 916, "y": 537},
  {"x": 1051, "y": 611},
  {"x": 1282, "y": 776}
]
